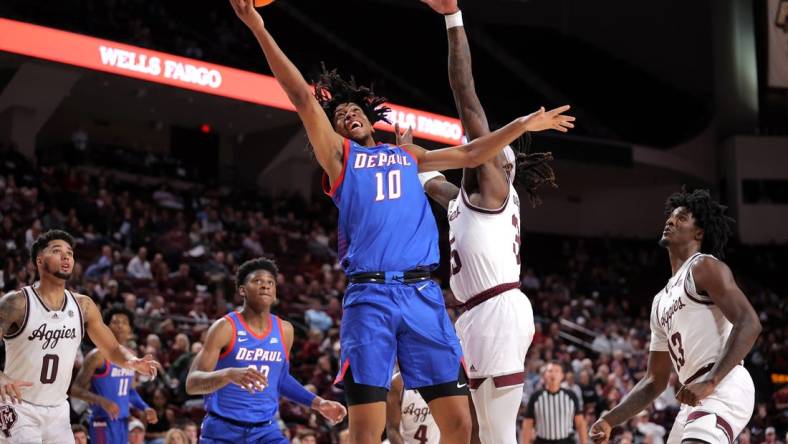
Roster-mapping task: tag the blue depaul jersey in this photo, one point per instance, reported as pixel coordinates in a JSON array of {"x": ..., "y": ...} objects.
[
  {"x": 114, "y": 383},
  {"x": 385, "y": 220},
  {"x": 266, "y": 353}
]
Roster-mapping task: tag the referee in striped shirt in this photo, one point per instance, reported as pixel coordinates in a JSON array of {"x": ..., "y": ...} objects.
[{"x": 554, "y": 412}]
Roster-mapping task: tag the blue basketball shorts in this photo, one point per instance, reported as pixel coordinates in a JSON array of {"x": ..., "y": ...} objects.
[
  {"x": 215, "y": 431},
  {"x": 106, "y": 431},
  {"x": 382, "y": 322}
]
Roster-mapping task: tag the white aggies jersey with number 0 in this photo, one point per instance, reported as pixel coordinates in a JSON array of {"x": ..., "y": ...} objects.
[
  {"x": 485, "y": 258},
  {"x": 44, "y": 349}
]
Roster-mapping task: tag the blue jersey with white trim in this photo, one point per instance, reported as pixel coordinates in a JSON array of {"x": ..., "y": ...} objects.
[
  {"x": 385, "y": 220},
  {"x": 267, "y": 353},
  {"x": 114, "y": 383}
]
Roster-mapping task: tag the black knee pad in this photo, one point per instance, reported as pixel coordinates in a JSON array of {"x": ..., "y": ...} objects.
[
  {"x": 356, "y": 393},
  {"x": 453, "y": 388}
]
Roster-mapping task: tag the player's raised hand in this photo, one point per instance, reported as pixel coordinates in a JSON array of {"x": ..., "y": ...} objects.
[
  {"x": 146, "y": 366},
  {"x": 600, "y": 432},
  {"x": 11, "y": 389},
  {"x": 151, "y": 416},
  {"x": 403, "y": 137},
  {"x": 693, "y": 394},
  {"x": 247, "y": 378},
  {"x": 333, "y": 411},
  {"x": 245, "y": 11},
  {"x": 111, "y": 408},
  {"x": 549, "y": 120},
  {"x": 442, "y": 6}
]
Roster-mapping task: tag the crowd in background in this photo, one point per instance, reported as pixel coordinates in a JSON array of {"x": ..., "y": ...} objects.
[{"x": 170, "y": 255}]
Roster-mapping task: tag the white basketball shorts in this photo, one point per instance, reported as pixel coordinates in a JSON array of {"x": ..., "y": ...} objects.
[
  {"x": 722, "y": 415},
  {"x": 496, "y": 334},
  {"x": 27, "y": 423}
]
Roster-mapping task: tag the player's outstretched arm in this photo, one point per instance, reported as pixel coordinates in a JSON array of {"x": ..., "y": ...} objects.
[
  {"x": 106, "y": 343},
  {"x": 489, "y": 178},
  {"x": 394, "y": 411},
  {"x": 12, "y": 313},
  {"x": 203, "y": 377},
  {"x": 291, "y": 389},
  {"x": 643, "y": 394},
  {"x": 326, "y": 142},
  {"x": 434, "y": 183},
  {"x": 486, "y": 147},
  {"x": 80, "y": 388},
  {"x": 714, "y": 278}
]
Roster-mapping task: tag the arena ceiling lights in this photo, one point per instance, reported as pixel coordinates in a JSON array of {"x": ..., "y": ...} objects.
[{"x": 181, "y": 72}]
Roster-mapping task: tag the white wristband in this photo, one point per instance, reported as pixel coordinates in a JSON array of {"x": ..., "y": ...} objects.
[
  {"x": 428, "y": 176},
  {"x": 453, "y": 20}
]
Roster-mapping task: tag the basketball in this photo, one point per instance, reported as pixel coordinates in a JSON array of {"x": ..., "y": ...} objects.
[{"x": 261, "y": 3}]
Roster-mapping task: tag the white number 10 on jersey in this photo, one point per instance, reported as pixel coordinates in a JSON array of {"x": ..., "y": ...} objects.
[{"x": 394, "y": 185}]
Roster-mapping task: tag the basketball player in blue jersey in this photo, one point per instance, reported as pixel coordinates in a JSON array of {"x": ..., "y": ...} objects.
[
  {"x": 244, "y": 367},
  {"x": 388, "y": 243},
  {"x": 108, "y": 387}
]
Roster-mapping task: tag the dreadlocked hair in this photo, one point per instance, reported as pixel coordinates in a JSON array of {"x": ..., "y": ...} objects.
[
  {"x": 533, "y": 170},
  {"x": 709, "y": 216},
  {"x": 331, "y": 90}
]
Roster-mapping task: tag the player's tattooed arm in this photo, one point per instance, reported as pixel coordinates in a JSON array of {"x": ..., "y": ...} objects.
[
  {"x": 326, "y": 142},
  {"x": 12, "y": 317},
  {"x": 441, "y": 190},
  {"x": 394, "y": 411},
  {"x": 643, "y": 394},
  {"x": 714, "y": 278},
  {"x": 203, "y": 377},
  {"x": 12, "y": 312},
  {"x": 489, "y": 179},
  {"x": 105, "y": 341},
  {"x": 80, "y": 388}
]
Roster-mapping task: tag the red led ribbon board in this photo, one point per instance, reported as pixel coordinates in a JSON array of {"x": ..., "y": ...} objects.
[{"x": 181, "y": 72}]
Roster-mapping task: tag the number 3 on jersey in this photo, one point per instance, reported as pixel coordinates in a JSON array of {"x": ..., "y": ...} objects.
[
  {"x": 456, "y": 264},
  {"x": 394, "y": 185}
]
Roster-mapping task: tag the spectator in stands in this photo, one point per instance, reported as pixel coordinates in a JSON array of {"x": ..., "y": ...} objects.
[
  {"x": 159, "y": 269},
  {"x": 102, "y": 266},
  {"x": 190, "y": 429},
  {"x": 569, "y": 384},
  {"x": 80, "y": 434},
  {"x": 176, "y": 436},
  {"x": 652, "y": 432},
  {"x": 136, "y": 431},
  {"x": 161, "y": 403},
  {"x": 770, "y": 436},
  {"x": 139, "y": 267},
  {"x": 316, "y": 318}
]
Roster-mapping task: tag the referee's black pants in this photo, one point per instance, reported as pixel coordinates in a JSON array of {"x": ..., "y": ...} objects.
[{"x": 569, "y": 440}]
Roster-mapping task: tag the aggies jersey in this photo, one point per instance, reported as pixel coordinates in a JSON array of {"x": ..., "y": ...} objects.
[
  {"x": 417, "y": 425},
  {"x": 688, "y": 325},
  {"x": 44, "y": 349},
  {"x": 485, "y": 245}
]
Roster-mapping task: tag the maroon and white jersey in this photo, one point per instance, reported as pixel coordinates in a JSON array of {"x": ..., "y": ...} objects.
[
  {"x": 485, "y": 245},
  {"x": 688, "y": 325},
  {"x": 44, "y": 349},
  {"x": 417, "y": 426}
]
